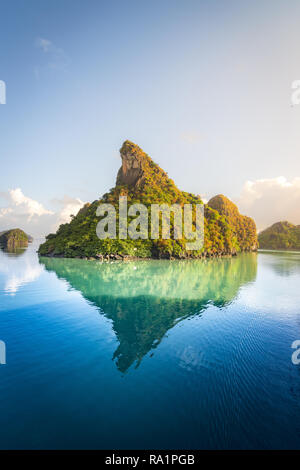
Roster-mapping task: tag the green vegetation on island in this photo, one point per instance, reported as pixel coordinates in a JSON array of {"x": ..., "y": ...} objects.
[
  {"x": 14, "y": 238},
  {"x": 143, "y": 181},
  {"x": 243, "y": 227},
  {"x": 280, "y": 236}
]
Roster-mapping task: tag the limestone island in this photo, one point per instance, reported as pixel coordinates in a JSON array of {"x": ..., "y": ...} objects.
[
  {"x": 14, "y": 238},
  {"x": 280, "y": 236},
  {"x": 141, "y": 180}
]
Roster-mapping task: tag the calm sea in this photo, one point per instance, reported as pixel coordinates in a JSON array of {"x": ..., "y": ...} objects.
[{"x": 149, "y": 354}]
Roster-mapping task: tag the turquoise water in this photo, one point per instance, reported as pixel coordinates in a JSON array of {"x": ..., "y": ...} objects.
[{"x": 149, "y": 354}]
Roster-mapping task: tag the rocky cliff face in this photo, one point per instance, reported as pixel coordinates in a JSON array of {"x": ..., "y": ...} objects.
[{"x": 132, "y": 170}]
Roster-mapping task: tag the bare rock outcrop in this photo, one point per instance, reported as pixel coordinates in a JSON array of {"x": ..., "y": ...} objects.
[{"x": 132, "y": 170}]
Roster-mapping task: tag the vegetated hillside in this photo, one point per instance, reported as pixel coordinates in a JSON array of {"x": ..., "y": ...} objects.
[
  {"x": 14, "y": 238},
  {"x": 143, "y": 181},
  {"x": 280, "y": 236},
  {"x": 243, "y": 227}
]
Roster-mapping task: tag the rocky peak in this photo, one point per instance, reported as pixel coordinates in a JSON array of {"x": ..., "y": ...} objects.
[{"x": 133, "y": 162}]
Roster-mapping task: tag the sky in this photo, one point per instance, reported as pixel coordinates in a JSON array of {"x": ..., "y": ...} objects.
[{"x": 203, "y": 86}]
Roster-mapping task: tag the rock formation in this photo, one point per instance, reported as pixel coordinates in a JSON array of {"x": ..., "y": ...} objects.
[{"x": 132, "y": 170}]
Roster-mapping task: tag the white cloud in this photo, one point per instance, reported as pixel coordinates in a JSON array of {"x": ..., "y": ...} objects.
[
  {"x": 271, "y": 200},
  {"x": 27, "y": 206},
  {"x": 31, "y": 216},
  {"x": 69, "y": 206},
  {"x": 4, "y": 211},
  {"x": 23, "y": 212}
]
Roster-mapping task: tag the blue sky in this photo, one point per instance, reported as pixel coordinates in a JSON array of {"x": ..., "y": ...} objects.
[{"x": 203, "y": 87}]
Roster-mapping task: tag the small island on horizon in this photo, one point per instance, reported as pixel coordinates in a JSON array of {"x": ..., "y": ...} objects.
[
  {"x": 280, "y": 236},
  {"x": 13, "y": 239},
  {"x": 141, "y": 180}
]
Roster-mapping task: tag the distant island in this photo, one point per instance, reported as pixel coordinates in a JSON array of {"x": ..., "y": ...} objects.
[
  {"x": 143, "y": 181},
  {"x": 14, "y": 238},
  {"x": 280, "y": 236}
]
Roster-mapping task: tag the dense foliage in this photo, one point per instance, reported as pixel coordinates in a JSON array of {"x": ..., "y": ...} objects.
[
  {"x": 151, "y": 185},
  {"x": 280, "y": 236},
  {"x": 243, "y": 227}
]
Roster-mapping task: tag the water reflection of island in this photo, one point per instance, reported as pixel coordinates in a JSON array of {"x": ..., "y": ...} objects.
[
  {"x": 14, "y": 251},
  {"x": 147, "y": 298}
]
